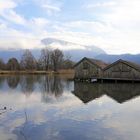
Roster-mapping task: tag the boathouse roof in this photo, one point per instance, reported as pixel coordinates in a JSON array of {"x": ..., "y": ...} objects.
[
  {"x": 131, "y": 64},
  {"x": 96, "y": 62}
]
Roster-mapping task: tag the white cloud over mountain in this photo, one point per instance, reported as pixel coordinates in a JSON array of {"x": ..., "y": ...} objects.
[{"x": 111, "y": 25}]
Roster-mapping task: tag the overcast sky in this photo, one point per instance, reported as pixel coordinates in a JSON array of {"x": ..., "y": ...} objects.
[{"x": 113, "y": 25}]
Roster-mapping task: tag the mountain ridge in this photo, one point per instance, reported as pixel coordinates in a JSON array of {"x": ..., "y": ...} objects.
[
  {"x": 110, "y": 58},
  {"x": 76, "y": 54}
]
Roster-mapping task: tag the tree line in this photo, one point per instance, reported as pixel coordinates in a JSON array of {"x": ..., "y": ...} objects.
[{"x": 53, "y": 60}]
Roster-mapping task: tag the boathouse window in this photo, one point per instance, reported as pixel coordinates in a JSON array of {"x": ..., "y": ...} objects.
[{"x": 85, "y": 65}]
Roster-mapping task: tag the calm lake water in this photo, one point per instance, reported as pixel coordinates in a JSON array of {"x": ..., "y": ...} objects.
[{"x": 55, "y": 108}]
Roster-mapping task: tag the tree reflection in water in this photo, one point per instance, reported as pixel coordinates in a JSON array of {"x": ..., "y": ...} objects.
[
  {"x": 27, "y": 83},
  {"x": 13, "y": 81},
  {"x": 120, "y": 92},
  {"x": 51, "y": 86},
  {"x": 2, "y": 80}
]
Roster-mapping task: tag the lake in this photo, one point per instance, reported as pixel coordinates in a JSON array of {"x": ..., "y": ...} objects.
[{"x": 55, "y": 108}]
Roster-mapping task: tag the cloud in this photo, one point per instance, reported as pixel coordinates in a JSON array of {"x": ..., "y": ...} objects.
[
  {"x": 125, "y": 14},
  {"x": 124, "y": 20},
  {"x": 120, "y": 30},
  {"x": 14, "y": 39},
  {"x": 88, "y": 26},
  {"x": 6, "y": 5},
  {"x": 111, "y": 25},
  {"x": 38, "y": 24},
  {"x": 51, "y": 8},
  {"x": 116, "y": 29},
  {"x": 13, "y": 17},
  {"x": 7, "y": 12},
  {"x": 101, "y": 5}
]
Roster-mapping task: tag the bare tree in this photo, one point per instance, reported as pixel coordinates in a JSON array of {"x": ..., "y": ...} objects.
[
  {"x": 68, "y": 63},
  {"x": 56, "y": 59},
  {"x": 2, "y": 64},
  {"x": 39, "y": 65},
  {"x": 45, "y": 58},
  {"x": 28, "y": 61},
  {"x": 13, "y": 64}
]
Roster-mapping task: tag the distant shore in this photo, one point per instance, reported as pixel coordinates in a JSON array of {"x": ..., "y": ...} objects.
[{"x": 5, "y": 72}]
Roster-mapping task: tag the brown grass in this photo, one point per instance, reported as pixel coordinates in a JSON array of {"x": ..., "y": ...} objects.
[{"x": 70, "y": 71}]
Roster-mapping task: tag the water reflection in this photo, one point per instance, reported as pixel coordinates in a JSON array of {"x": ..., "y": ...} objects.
[
  {"x": 27, "y": 84},
  {"x": 119, "y": 92},
  {"x": 13, "y": 81},
  {"x": 2, "y": 80},
  {"x": 51, "y": 86},
  {"x": 43, "y": 107},
  {"x": 54, "y": 86}
]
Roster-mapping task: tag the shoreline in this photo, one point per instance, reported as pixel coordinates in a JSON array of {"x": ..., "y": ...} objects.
[{"x": 5, "y": 72}]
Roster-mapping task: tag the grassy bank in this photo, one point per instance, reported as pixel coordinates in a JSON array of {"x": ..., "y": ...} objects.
[{"x": 70, "y": 71}]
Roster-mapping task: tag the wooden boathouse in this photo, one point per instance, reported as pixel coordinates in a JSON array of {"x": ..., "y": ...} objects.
[
  {"x": 122, "y": 69},
  {"x": 87, "y": 68},
  {"x": 96, "y": 70}
]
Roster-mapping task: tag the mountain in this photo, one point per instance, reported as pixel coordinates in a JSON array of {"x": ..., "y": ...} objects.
[
  {"x": 112, "y": 58},
  {"x": 17, "y": 53},
  {"x": 77, "y": 51},
  {"x": 49, "y": 41}
]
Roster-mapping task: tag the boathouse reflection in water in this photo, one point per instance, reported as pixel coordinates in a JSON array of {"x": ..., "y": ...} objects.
[{"x": 120, "y": 92}]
